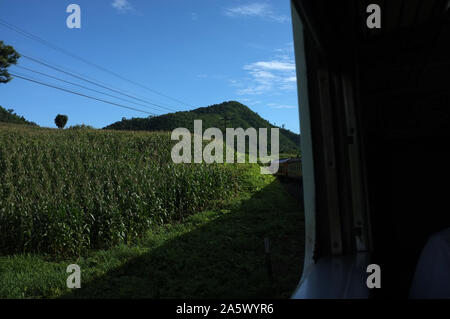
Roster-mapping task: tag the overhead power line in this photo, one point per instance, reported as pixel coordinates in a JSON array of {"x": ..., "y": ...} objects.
[
  {"x": 80, "y": 94},
  {"x": 54, "y": 47},
  {"x": 123, "y": 92},
  {"x": 91, "y": 82},
  {"x": 81, "y": 86}
]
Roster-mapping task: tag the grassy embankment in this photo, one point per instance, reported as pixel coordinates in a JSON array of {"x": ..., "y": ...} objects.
[{"x": 138, "y": 225}]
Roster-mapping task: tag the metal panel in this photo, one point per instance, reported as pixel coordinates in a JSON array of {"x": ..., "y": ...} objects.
[
  {"x": 426, "y": 10},
  {"x": 360, "y": 214},
  {"x": 410, "y": 12},
  {"x": 342, "y": 277},
  {"x": 330, "y": 163},
  {"x": 393, "y": 13},
  {"x": 306, "y": 143}
]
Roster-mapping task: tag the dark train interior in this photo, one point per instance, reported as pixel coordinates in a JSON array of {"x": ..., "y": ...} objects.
[{"x": 375, "y": 129}]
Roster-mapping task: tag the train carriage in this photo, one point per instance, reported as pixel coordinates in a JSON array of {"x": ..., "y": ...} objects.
[{"x": 289, "y": 168}]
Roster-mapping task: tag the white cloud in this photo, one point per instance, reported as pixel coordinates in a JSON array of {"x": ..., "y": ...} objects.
[
  {"x": 255, "y": 89},
  {"x": 271, "y": 65},
  {"x": 262, "y": 75},
  {"x": 281, "y": 106},
  {"x": 194, "y": 16},
  {"x": 122, "y": 5},
  {"x": 291, "y": 79},
  {"x": 255, "y": 9},
  {"x": 289, "y": 49},
  {"x": 260, "y": 10},
  {"x": 267, "y": 77}
]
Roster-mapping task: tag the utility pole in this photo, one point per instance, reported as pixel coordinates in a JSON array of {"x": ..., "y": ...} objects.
[
  {"x": 225, "y": 119},
  {"x": 224, "y": 132}
]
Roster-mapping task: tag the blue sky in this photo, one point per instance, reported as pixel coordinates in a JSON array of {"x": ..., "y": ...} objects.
[{"x": 200, "y": 52}]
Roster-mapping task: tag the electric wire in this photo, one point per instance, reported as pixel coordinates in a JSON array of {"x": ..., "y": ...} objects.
[
  {"x": 59, "y": 49},
  {"x": 91, "y": 82},
  {"x": 80, "y": 94},
  {"x": 81, "y": 86}
]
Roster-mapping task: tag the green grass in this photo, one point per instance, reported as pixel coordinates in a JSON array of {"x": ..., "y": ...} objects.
[
  {"x": 65, "y": 192},
  {"x": 138, "y": 225},
  {"x": 213, "y": 254}
]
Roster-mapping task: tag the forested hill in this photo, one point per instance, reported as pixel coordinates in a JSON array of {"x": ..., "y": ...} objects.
[
  {"x": 8, "y": 116},
  {"x": 238, "y": 115}
]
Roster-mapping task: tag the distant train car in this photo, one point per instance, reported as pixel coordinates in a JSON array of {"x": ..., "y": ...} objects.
[{"x": 290, "y": 168}]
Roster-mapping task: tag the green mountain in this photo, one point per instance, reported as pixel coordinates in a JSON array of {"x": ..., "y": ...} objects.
[
  {"x": 237, "y": 114},
  {"x": 8, "y": 116}
]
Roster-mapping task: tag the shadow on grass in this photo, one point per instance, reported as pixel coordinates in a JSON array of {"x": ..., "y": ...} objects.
[
  {"x": 295, "y": 188},
  {"x": 220, "y": 254}
]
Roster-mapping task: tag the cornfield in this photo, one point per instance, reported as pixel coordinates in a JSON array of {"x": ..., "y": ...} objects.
[{"x": 64, "y": 192}]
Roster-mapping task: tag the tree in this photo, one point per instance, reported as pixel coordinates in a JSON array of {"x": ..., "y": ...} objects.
[
  {"x": 61, "y": 120},
  {"x": 8, "y": 56}
]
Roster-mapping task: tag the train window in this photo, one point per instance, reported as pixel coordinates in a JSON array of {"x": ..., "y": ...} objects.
[{"x": 369, "y": 102}]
